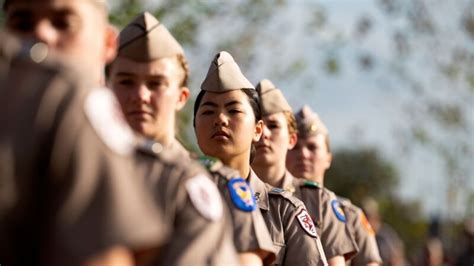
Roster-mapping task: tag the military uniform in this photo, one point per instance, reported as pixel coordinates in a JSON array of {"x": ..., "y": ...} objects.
[
  {"x": 250, "y": 230},
  {"x": 293, "y": 232},
  {"x": 363, "y": 234},
  {"x": 201, "y": 233},
  {"x": 330, "y": 221},
  {"x": 65, "y": 187}
]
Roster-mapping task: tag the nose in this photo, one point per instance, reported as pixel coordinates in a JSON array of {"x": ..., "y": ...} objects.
[
  {"x": 142, "y": 94},
  {"x": 304, "y": 153},
  {"x": 46, "y": 33},
  {"x": 221, "y": 120},
  {"x": 266, "y": 133}
]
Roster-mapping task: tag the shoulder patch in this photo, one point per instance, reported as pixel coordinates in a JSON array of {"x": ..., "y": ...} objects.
[
  {"x": 336, "y": 208},
  {"x": 103, "y": 111},
  {"x": 241, "y": 194},
  {"x": 307, "y": 223},
  {"x": 205, "y": 197},
  {"x": 366, "y": 225}
]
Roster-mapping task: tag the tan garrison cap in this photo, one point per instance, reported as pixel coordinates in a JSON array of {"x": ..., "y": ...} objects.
[
  {"x": 224, "y": 75},
  {"x": 271, "y": 98},
  {"x": 146, "y": 39},
  {"x": 309, "y": 123},
  {"x": 101, "y": 2}
]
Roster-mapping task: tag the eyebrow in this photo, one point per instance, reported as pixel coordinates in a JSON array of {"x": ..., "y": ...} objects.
[
  {"x": 232, "y": 103},
  {"x": 209, "y": 104}
]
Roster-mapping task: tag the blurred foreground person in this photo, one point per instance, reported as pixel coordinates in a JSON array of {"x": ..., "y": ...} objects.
[
  {"x": 228, "y": 121},
  {"x": 65, "y": 193},
  {"x": 467, "y": 256},
  {"x": 149, "y": 78},
  {"x": 389, "y": 243},
  {"x": 308, "y": 161}
]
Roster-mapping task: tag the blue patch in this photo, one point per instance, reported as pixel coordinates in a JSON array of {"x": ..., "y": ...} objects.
[
  {"x": 277, "y": 190},
  {"x": 241, "y": 194},
  {"x": 336, "y": 207}
]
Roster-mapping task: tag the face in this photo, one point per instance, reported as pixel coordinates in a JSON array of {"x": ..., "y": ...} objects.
[
  {"x": 76, "y": 29},
  {"x": 275, "y": 141},
  {"x": 309, "y": 158},
  {"x": 225, "y": 125},
  {"x": 150, "y": 94}
]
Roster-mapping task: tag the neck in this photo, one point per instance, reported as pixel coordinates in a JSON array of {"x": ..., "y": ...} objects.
[
  {"x": 240, "y": 164},
  {"x": 319, "y": 179},
  {"x": 167, "y": 137},
  {"x": 272, "y": 174}
]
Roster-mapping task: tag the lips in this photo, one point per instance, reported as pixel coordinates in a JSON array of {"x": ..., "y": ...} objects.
[
  {"x": 220, "y": 134},
  {"x": 262, "y": 146},
  {"x": 139, "y": 113}
]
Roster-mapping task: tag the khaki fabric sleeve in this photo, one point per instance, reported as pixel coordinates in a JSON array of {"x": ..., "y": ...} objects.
[
  {"x": 201, "y": 232},
  {"x": 335, "y": 236},
  {"x": 364, "y": 236},
  {"x": 250, "y": 230}
]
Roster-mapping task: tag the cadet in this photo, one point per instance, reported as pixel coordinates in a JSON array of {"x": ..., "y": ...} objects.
[
  {"x": 279, "y": 136},
  {"x": 308, "y": 161},
  {"x": 227, "y": 121},
  {"x": 149, "y": 77},
  {"x": 65, "y": 192}
]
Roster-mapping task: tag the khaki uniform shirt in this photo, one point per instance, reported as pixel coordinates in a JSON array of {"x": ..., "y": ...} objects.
[
  {"x": 190, "y": 202},
  {"x": 179, "y": 151},
  {"x": 362, "y": 233},
  {"x": 250, "y": 230},
  {"x": 329, "y": 221},
  {"x": 293, "y": 233},
  {"x": 65, "y": 191}
]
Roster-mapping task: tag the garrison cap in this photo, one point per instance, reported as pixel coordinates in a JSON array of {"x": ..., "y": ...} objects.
[
  {"x": 145, "y": 39},
  {"x": 309, "y": 123},
  {"x": 271, "y": 98},
  {"x": 224, "y": 75},
  {"x": 102, "y": 3}
]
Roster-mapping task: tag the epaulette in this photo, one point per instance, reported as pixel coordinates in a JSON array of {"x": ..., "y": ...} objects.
[
  {"x": 274, "y": 191},
  {"x": 345, "y": 202}
]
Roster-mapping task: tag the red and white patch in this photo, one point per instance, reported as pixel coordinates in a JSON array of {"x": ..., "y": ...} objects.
[
  {"x": 307, "y": 223},
  {"x": 205, "y": 197},
  {"x": 103, "y": 111}
]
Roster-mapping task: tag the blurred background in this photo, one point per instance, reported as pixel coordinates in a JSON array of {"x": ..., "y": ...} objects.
[{"x": 392, "y": 79}]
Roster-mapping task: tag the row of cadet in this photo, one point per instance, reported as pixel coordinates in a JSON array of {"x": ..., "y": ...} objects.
[{"x": 91, "y": 172}]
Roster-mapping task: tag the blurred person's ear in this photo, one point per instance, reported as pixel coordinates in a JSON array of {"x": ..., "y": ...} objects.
[{"x": 111, "y": 44}]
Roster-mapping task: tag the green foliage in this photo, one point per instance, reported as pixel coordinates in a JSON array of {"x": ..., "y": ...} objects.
[{"x": 357, "y": 173}]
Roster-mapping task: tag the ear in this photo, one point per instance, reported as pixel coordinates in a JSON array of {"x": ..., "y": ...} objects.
[
  {"x": 329, "y": 160},
  {"x": 258, "y": 131},
  {"x": 293, "y": 141},
  {"x": 183, "y": 98},
  {"x": 111, "y": 44}
]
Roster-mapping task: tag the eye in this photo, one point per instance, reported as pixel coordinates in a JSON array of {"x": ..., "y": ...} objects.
[
  {"x": 207, "y": 112},
  {"x": 65, "y": 21},
  {"x": 126, "y": 82},
  {"x": 235, "y": 111},
  {"x": 273, "y": 126},
  {"x": 21, "y": 23}
]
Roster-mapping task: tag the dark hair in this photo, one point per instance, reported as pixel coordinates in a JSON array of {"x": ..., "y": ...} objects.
[{"x": 252, "y": 95}]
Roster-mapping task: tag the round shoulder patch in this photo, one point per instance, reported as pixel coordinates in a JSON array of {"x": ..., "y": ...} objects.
[
  {"x": 366, "y": 225},
  {"x": 307, "y": 223},
  {"x": 205, "y": 197},
  {"x": 336, "y": 208},
  {"x": 105, "y": 116},
  {"x": 241, "y": 194}
]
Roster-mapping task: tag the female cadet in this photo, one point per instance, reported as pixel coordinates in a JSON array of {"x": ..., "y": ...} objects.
[
  {"x": 279, "y": 136},
  {"x": 227, "y": 120}
]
